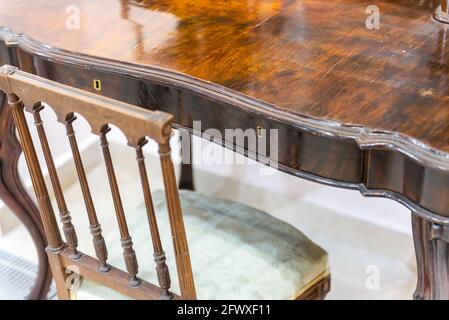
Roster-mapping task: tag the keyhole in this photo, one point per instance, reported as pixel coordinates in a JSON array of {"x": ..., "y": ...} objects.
[
  {"x": 259, "y": 131},
  {"x": 97, "y": 84}
]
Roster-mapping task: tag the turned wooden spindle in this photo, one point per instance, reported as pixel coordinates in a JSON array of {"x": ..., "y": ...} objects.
[
  {"x": 126, "y": 241},
  {"x": 163, "y": 274},
  {"x": 95, "y": 228},
  {"x": 64, "y": 214},
  {"x": 183, "y": 265},
  {"x": 51, "y": 229}
]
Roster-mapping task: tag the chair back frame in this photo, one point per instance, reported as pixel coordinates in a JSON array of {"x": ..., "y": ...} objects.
[{"x": 26, "y": 92}]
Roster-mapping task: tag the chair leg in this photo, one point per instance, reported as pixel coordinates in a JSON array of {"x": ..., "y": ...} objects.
[{"x": 59, "y": 275}]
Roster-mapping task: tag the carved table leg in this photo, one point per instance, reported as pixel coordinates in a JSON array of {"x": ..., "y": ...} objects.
[
  {"x": 186, "y": 179},
  {"x": 419, "y": 226},
  {"x": 432, "y": 256},
  {"x": 14, "y": 195}
]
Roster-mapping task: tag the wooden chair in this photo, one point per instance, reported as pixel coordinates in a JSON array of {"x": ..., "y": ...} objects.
[{"x": 249, "y": 243}]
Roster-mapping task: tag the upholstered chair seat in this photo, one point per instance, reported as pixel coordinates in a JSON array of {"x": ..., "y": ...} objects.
[{"x": 237, "y": 252}]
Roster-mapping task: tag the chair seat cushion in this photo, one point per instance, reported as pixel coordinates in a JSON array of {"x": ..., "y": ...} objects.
[{"x": 237, "y": 252}]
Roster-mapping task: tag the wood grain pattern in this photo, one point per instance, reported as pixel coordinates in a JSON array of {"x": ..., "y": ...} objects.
[
  {"x": 308, "y": 57},
  {"x": 180, "y": 245}
]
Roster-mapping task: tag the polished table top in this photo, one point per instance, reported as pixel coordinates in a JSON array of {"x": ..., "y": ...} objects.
[{"x": 307, "y": 57}]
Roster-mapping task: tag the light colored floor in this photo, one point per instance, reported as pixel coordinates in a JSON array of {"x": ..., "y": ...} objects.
[{"x": 360, "y": 252}]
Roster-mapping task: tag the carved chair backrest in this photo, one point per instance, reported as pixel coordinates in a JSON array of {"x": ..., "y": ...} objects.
[{"x": 26, "y": 92}]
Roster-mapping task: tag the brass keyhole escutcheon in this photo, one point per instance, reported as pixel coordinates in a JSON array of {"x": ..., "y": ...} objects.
[
  {"x": 259, "y": 131},
  {"x": 97, "y": 84}
]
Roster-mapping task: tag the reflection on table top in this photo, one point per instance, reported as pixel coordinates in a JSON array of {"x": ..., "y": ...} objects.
[{"x": 311, "y": 57}]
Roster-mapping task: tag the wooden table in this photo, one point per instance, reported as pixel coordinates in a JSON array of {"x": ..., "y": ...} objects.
[{"x": 356, "y": 108}]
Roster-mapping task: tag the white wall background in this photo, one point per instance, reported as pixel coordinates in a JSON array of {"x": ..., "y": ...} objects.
[{"x": 57, "y": 139}]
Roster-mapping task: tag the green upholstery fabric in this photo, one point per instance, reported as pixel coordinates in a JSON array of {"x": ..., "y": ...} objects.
[{"x": 237, "y": 252}]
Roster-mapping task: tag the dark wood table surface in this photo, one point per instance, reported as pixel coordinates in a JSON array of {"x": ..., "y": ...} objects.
[{"x": 355, "y": 108}]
